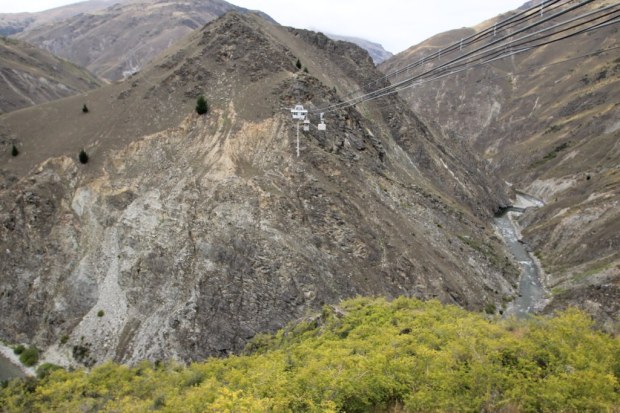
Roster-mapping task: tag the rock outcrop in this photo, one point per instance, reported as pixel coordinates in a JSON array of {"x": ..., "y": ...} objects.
[{"x": 188, "y": 241}]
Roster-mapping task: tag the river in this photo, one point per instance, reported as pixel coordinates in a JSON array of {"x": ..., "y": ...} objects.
[
  {"x": 532, "y": 293},
  {"x": 8, "y": 370}
]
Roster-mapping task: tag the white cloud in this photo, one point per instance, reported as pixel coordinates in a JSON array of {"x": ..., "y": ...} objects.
[
  {"x": 12, "y": 6},
  {"x": 396, "y": 24}
]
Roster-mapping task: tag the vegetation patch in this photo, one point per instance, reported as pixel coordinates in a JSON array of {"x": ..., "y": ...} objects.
[
  {"x": 46, "y": 369},
  {"x": 552, "y": 128},
  {"x": 30, "y": 356},
  {"x": 202, "y": 106},
  {"x": 365, "y": 356},
  {"x": 598, "y": 268},
  {"x": 488, "y": 251},
  {"x": 19, "y": 349},
  {"x": 83, "y": 157},
  {"x": 551, "y": 155}
]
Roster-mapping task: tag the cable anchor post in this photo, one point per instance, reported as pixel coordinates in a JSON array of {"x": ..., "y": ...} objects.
[{"x": 298, "y": 139}]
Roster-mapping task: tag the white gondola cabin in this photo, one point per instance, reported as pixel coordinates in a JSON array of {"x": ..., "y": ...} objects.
[
  {"x": 299, "y": 112},
  {"x": 306, "y": 125}
]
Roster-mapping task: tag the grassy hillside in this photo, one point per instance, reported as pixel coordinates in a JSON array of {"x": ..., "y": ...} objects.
[
  {"x": 31, "y": 76},
  {"x": 364, "y": 356}
]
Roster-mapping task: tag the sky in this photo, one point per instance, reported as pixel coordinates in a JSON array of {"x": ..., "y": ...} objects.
[{"x": 395, "y": 24}]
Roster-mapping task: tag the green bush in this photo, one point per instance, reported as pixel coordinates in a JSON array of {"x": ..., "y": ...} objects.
[
  {"x": 30, "y": 356},
  {"x": 100, "y": 313},
  {"x": 367, "y": 355},
  {"x": 201, "y": 105},
  {"x": 490, "y": 308},
  {"x": 45, "y": 369},
  {"x": 19, "y": 349}
]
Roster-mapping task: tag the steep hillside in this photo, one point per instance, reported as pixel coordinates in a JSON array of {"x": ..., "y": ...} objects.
[
  {"x": 119, "y": 40},
  {"x": 29, "y": 76},
  {"x": 185, "y": 235},
  {"x": 547, "y": 120}
]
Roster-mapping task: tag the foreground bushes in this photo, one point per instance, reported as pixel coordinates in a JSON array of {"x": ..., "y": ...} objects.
[{"x": 367, "y": 356}]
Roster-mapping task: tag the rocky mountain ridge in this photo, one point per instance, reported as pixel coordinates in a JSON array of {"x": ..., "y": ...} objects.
[
  {"x": 116, "y": 41},
  {"x": 547, "y": 121},
  {"x": 186, "y": 235},
  {"x": 14, "y": 23}
]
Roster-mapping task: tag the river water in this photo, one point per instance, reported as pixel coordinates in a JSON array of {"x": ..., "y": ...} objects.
[
  {"x": 8, "y": 370},
  {"x": 532, "y": 293}
]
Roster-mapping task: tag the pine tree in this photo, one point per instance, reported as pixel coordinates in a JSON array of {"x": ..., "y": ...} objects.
[
  {"x": 14, "y": 151},
  {"x": 83, "y": 157},
  {"x": 298, "y": 64},
  {"x": 85, "y": 108},
  {"x": 201, "y": 105}
]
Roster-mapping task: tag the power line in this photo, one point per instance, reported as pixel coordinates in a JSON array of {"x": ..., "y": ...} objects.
[
  {"x": 502, "y": 25},
  {"x": 496, "y": 50},
  {"x": 529, "y": 68},
  {"x": 495, "y": 43}
]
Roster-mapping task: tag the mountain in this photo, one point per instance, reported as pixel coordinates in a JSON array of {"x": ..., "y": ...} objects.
[
  {"x": 375, "y": 50},
  {"x": 547, "y": 121},
  {"x": 186, "y": 235},
  {"x": 117, "y": 41},
  {"x": 30, "y": 76},
  {"x": 13, "y": 23}
]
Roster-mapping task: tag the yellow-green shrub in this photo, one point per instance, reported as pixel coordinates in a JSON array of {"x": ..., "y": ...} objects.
[{"x": 420, "y": 356}]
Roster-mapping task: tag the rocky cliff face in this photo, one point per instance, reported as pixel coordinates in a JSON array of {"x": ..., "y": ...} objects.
[
  {"x": 547, "y": 121},
  {"x": 30, "y": 76},
  {"x": 188, "y": 241}
]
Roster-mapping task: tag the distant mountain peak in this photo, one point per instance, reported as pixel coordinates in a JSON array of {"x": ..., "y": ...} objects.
[
  {"x": 115, "y": 41},
  {"x": 376, "y": 50}
]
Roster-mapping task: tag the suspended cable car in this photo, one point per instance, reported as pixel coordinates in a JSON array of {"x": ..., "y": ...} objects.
[
  {"x": 299, "y": 112},
  {"x": 306, "y": 125},
  {"x": 322, "y": 125}
]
